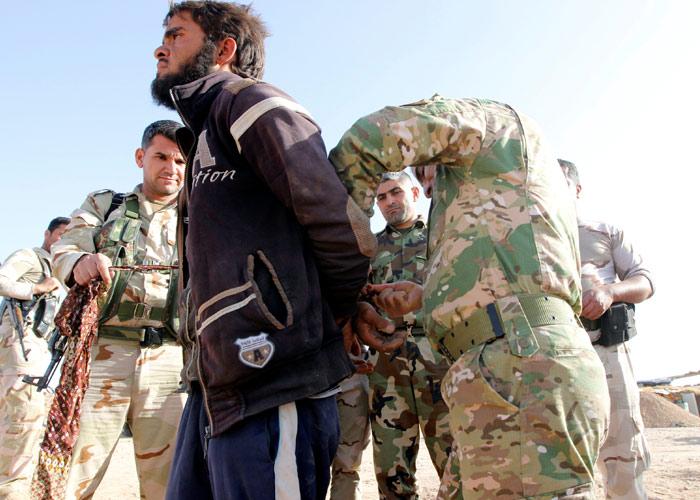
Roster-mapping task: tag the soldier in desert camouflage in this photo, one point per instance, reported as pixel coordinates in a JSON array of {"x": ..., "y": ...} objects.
[
  {"x": 136, "y": 362},
  {"x": 405, "y": 385},
  {"x": 613, "y": 273},
  {"x": 353, "y": 417},
  {"x": 26, "y": 277},
  {"x": 526, "y": 391}
]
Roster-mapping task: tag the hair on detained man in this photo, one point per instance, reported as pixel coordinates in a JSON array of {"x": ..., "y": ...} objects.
[
  {"x": 56, "y": 223},
  {"x": 220, "y": 20},
  {"x": 166, "y": 128}
]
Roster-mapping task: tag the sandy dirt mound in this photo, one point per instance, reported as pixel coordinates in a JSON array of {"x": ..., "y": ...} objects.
[{"x": 657, "y": 411}]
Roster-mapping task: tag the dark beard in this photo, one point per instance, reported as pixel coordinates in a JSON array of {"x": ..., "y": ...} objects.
[{"x": 200, "y": 65}]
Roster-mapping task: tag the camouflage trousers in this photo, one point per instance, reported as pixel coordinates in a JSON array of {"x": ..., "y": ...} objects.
[
  {"x": 405, "y": 397},
  {"x": 625, "y": 454},
  {"x": 134, "y": 385},
  {"x": 527, "y": 426},
  {"x": 353, "y": 415},
  {"x": 23, "y": 411}
]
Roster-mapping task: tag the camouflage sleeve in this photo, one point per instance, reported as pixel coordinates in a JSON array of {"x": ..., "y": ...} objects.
[
  {"x": 79, "y": 238},
  {"x": 435, "y": 130},
  {"x": 11, "y": 272},
  {"x": 628, "y": 263}
]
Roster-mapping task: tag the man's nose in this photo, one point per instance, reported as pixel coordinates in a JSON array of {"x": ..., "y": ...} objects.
[{"x": 161, "y": 51}]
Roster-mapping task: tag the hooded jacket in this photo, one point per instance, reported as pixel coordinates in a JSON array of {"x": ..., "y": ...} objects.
[{"x": 272, "y": 247}]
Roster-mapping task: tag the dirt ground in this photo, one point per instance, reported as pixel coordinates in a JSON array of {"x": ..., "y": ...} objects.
[{"x": 674, "y": 473}]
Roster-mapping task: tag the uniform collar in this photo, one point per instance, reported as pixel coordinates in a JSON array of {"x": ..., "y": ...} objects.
[
  {"x": 42, "y": 253},
  {"x": 392, "y": 231}
]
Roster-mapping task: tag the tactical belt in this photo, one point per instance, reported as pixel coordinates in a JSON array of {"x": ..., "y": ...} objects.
[
  {"x": 146, "y": 337},
  {"x": 485, "y": 324},
  {"x": 138, "y": 310}
]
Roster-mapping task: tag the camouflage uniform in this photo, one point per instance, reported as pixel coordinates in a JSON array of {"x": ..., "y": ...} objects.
[
  {"x": 22, "y": 408},
  {"x": 353, "y": 415},
  {"x": 526, "y": 393},
  {"x": 605, "y": 256},
  {"x": 405, "y": 385},
  {"x": 128, "y": 383}
]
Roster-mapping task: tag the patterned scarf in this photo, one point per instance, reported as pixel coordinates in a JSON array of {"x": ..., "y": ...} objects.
[{"x": 76, "y": 319}]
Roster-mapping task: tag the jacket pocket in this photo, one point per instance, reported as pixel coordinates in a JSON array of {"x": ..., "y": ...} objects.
[{"x": 270, "y": 296}]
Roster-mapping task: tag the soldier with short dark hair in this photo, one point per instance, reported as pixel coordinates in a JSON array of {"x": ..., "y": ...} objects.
[
  {"x": 25, "y": 277},
  {"x": 136, "y": 362},
  {"x": 613, "y": 277},
  {"x": 405, "y": 398}
]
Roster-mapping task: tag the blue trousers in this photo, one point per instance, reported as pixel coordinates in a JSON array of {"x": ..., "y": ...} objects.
[{"x": 284, "y": 452}]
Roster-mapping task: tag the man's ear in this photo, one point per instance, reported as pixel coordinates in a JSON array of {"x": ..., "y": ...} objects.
[
  {"x": 415, "y": 192},
  {"x": 578, "y": 191},
  {"x": 226, "y": 52},
  {"x": 138, "y": 156}
]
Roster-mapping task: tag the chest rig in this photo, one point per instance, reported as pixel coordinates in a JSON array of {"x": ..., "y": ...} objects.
[{"x": 118, "y": 240}]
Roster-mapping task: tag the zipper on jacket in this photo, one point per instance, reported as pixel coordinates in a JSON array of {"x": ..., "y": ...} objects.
[
  {"x": 177, "y": 108},
  {"x": 203, "y": 385}
]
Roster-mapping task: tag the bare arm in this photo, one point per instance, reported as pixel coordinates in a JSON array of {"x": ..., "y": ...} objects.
[{"x": 596, "y": 301}]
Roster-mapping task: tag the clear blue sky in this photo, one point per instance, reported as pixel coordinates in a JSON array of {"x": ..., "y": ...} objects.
[{"x": 613, "y": 85}]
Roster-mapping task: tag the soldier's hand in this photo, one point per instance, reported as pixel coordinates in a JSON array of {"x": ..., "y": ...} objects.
[
  {"x": 595, "y": 302},
  {"x": 48, "y": 284},
  {"x": 397, "y": 299},
  {"x": 93, "y": 266},
  {"x": 376, "y": 331}
]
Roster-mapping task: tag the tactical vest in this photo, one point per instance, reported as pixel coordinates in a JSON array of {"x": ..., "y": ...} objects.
[{"x": 117, "y": 240}]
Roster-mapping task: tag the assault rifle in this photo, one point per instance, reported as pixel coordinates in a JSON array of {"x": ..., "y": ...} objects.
[
  {"x": 57, "y": 346},
  {"x": 16, "y": 310}
]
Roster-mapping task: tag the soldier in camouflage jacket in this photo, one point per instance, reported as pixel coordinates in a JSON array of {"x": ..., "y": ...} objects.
[
  {"x": 25, "y": 275},
  {"x": 136, "y": 363},
  {"x": 405, "y": 384},
  {"x": 526, "y": 391}
]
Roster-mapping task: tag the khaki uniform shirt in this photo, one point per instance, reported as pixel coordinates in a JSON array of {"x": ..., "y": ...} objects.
[
  {"x": 19, "y": 273},
  {"x": 88, "y": 232}
]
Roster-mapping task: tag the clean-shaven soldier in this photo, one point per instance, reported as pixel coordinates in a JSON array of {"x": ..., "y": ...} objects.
[
  {"x": 25, "y": 277},
  {"x": 613, "y": 276},
  {"x": 135, "y": 361},
  {"x": 274, "y": 252}
]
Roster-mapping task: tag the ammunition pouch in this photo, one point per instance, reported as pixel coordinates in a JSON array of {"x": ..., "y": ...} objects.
[
  {"x": 44, "y": 312},
  {"x": 617, "y": 325}
]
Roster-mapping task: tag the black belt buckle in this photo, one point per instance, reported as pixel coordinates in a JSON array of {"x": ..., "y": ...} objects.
[{"x": 152, "y": 337}]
